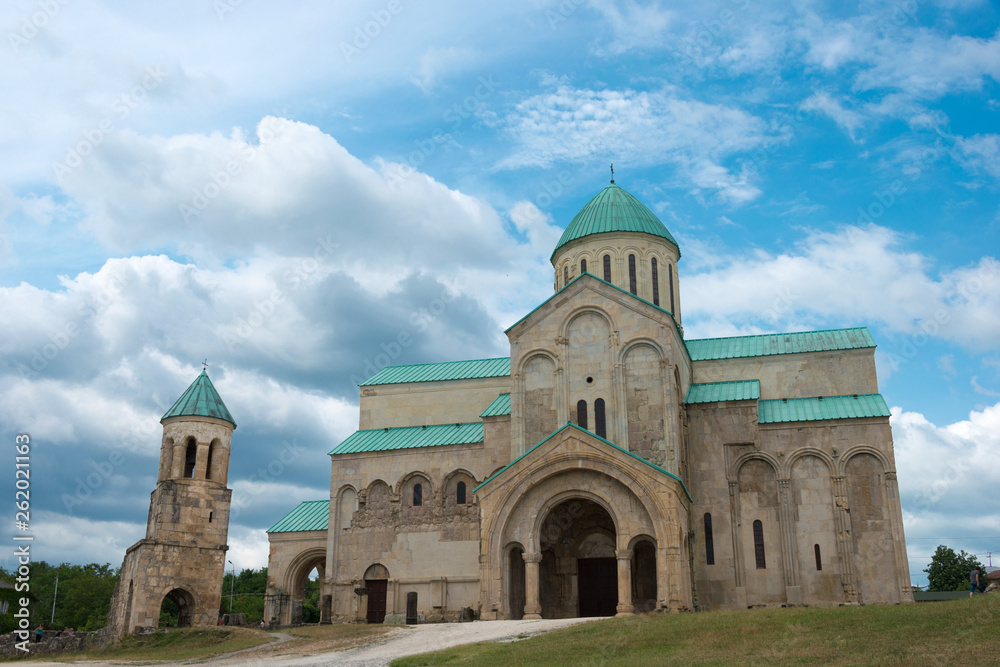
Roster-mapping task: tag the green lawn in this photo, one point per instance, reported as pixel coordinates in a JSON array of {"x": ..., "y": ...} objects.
[
  {"x": 176, "y": 644},
  {"x": 963, "y": 632}
]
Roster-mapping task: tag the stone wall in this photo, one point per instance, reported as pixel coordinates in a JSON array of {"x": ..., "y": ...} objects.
[{"x": 426, "y": 403}]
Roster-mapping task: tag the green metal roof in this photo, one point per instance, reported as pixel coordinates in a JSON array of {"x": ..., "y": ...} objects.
[
  {"x": 703, "y": 349},
  {"x": 825, "y": 407},
  {"x": 712, "y": 392},
  {"x": 592, "y": 434},
  {"x": 309, "y": 515},
  {"x": 613, "y": 209},
  {"x": 409, "y": 437},
  {"x": 499, "y": 406},
  {"x": 448, "y": 370},
  {"x": 200, "y": 400}
]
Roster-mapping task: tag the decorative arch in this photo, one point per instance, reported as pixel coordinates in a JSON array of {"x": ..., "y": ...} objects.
[
  {"x": 786, "y": 470},
  {"x": 534, "y": 353},
  {"x": 768, "y": 458},
  {"x": 584, "y": 310},
  {"x": 404, "y": 489},
  {"x": 450, "y": 486},
  {"x": 853, "y": 451},
  {"x": 637, "y": 342},
  {"x": 299, "y": 568},
  {"x": 347, "y": 505},
  {"x": 376, "y": 571}
]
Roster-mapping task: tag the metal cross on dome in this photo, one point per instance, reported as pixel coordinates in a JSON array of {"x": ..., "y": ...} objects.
[
  {"x": 612, "y": 172},
  {"x": 204, "y": 365}
]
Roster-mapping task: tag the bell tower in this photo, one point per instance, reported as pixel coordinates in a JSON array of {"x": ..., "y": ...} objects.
[{"x": 183, "y": 555}]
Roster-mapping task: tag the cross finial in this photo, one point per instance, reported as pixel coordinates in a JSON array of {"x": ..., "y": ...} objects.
[
  {"x": 612, "y": 172},
  {"x": 204, "y": 365}
]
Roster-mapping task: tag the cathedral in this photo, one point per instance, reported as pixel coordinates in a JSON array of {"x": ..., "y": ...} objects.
[{"x": 609, "y": 465}]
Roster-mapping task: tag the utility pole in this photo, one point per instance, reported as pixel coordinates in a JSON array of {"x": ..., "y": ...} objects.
[{"x": 54, "y": 594}]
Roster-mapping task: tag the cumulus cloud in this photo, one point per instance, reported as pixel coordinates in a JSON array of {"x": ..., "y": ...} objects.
[
  {"x": 855, "y": 274},
  {"x": 826, "y": 104},
  {"x": 644, "y": 128}
]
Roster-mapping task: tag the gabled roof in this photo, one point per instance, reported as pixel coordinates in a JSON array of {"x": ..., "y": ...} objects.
[
  {"x": 613, "y": 209},
  {"x": 713, "y": 392},
  {"x": 703, "y": 349},
  {"x": 309, "y": 515},
  {"x": 200, "y": 400},
  {"x": 853, "y": 406},
  {"x": 409, "y": 437},
  {"x": 448, "y": 370},
  {"x": 571, "y": 425},
  {"x": 499, "y": 406},
  {"x": 583, "y": 275}
]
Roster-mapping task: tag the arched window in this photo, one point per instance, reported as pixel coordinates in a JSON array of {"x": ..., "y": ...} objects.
[
  {"x": 565, "y": 276},
  {"x": 670, "y": 275},
  {"x": 656, "y": 282},
  {"x": 819, "y": 561},
  {"x": 758, "y": 544},
  {"x": 581, "y": 414},
  {"x": 460, "y": 493},
  {"x": 632, "y": 287},
  {"x": 190, "y": 457},
  {"x": 418, "y": 495},
  {"x": 583, "y": 266},
  {"x": 607, "y": 268},
  {"x": 600, "y": 427},
  {"x": 709, "y": 541}
]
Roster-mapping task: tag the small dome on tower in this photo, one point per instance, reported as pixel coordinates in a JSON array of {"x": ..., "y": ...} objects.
[
  {"x": 200, "y": 400},
  {"x": 613, "y": 209}
]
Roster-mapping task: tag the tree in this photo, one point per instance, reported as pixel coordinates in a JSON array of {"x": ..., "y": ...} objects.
[
  {"x": 248, "y": 590},
  {"x": 949, "y": 571}
]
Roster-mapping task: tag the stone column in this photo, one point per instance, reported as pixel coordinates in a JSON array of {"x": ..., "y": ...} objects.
[
  {"x": 789, "y": 551},
  {"x": 845, "y": 543},
  {"x": 532, "y": 606},
  {"x": 180, "y": 454},
  {"x": 201, "y": 461},
  {"x": 898, "y": 543},
  {"x": 625, "y": 606}
]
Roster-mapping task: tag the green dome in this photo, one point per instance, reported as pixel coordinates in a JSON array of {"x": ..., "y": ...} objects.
[
  {"x": 200, "y": 400},
  {"x": 613, "y": 209}
]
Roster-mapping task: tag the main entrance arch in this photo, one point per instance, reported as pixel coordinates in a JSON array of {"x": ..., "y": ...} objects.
[{"x": 295, "y": 581}]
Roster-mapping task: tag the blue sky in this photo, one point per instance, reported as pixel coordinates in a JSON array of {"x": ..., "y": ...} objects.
[{"x": 285, "y": 189}]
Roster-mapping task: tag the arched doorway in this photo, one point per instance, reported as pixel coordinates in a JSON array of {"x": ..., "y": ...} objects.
[
  {"x": 304, "y": 585},
  {"x": 515, "y": 582},
  {"x": 177, "y": 609},
  {"x": 644, "y": 576},
  {"x": 578, "y": 573},
  {"x": 377, "y": 583}
]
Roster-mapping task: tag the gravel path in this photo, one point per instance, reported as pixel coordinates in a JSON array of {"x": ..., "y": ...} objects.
[
  {"x": 400, "y": 642},
  {"x": 412, "y": 640}
]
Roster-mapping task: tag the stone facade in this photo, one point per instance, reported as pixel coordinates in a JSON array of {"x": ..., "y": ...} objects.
[
  {"x": 603, "y": 490},
  {"x": 183, "y": 555}
]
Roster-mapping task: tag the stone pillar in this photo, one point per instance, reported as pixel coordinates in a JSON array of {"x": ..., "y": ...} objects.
[
  {"x": 898, "y": 542},
  {"x": 845, "y": 543},
  {"x": 625, "y": 606},
  {"x": 532, "y": 606},
  {"x": 180, "y": 454},
  {"x": 789, "y": 552},
  {"x": 201, "y": 461}
]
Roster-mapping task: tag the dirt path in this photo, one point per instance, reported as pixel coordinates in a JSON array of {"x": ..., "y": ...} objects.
[{"x": 406, "y": 641}]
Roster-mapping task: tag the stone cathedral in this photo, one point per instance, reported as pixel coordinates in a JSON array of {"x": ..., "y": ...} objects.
[{"x": 609, "y": 465}]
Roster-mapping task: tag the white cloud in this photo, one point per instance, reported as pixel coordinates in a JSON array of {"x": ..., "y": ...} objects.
[
  {"x": 633, "y": 25},
  {"x": 980, "y": 152},
  {"x": 437, "y": 62},
  {"x": 853, "y": 275},
  {"x": 642, "y": 128},
  {"x": 850, "y": 121}
]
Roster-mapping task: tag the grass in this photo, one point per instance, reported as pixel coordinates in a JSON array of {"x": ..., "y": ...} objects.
[
  {"x": 930, "y": 633},
  {"x": 177, "y": 644}
]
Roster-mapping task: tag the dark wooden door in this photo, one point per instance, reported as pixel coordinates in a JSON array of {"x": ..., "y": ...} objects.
[
  {"x": 376, "y": 599},
  {"x": 597, "y": 586}
]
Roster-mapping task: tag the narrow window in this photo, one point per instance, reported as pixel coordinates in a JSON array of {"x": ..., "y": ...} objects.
[
  {"x": 418, "y": 495},
  {"x": 656, "y": 282},
  {"x": 208, "y": 467},
  {"x": 819, "y": 561},
  {"x": 565, "y": 276},
  {"x": 581, "y": 414},
  {"x": 210, "y": 516},
  {"x": 631, "y": 274},
  {"x": 758, "y": 544},
  {"x": 599, "y": 425},
  {"x": 583, "y": 266},
  {"x": 670, "y": 274},
  {"x": 607, "y": 268},
  {"x": 460, "y": 494},
  {"x": 190, "y": 457},
  {"x": 709, "y": 541}
]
